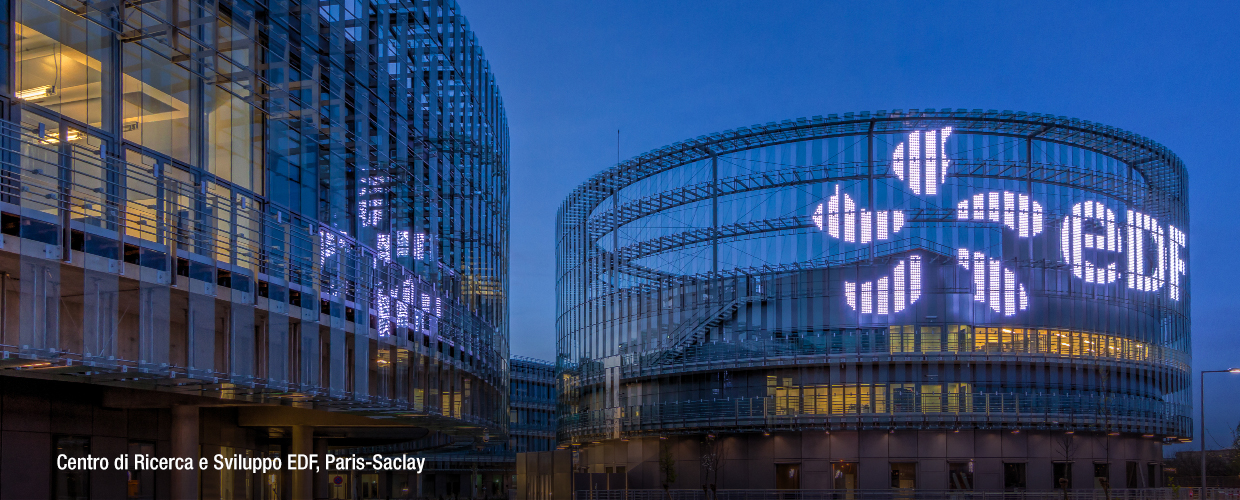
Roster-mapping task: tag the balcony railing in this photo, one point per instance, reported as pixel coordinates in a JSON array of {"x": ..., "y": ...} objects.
[
  {"x": 912, "y": 494},
  {"x": 78, "y": 204},
  {"x": 944, "y": 411}
]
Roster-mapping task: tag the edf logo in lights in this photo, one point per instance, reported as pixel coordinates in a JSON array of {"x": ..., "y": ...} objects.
[{"x": 922, "y": 163}]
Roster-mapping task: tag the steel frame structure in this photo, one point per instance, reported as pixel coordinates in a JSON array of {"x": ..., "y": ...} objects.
[
  {"x": 672, "y": 320},
  {"x": 408, "y": 142}
]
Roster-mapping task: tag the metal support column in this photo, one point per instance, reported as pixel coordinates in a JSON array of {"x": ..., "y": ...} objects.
[
  {"x": 870, "y": 189},
  {"x": 714, "y": 216}
]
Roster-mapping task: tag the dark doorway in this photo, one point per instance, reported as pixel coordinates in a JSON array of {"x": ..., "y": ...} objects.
[
  {"x": 960, "y": 475},
  {"x": 787, "y": 476},
  {"x": 904, "y": 475},
  {"x": 1062, "y": 475},
  {"x": 1013, "y": 476},
  {"x": 1132, "y": 475},
  {"x": 844, "y": 476},
  {"x": 1102, "y": 474}
]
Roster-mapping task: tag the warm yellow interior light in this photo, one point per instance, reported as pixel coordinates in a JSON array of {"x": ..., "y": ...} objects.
[{"x": 36, "y": 93}]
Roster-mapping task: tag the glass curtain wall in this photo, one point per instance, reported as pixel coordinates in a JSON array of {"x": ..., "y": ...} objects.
[
  {"x": 325, "y": 214},
  {"x": 878, "y": 265}
]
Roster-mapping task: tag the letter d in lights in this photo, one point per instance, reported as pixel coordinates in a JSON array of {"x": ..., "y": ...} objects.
[{"x": 1141, "y": 275}]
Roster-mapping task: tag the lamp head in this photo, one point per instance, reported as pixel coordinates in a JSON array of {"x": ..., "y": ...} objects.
[{"x": 1233, "y": 370}]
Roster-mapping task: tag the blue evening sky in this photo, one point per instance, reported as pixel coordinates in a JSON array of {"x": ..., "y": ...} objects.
[{"x": 572, "y": 72}]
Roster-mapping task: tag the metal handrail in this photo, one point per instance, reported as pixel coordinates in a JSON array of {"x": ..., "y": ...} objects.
[{"x": 910, "y": 494}]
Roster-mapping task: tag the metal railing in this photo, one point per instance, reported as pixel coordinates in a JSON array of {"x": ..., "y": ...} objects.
[
  {"x": 71, "y": 194},
  {"x": 1124, "y": 413},
  {"x": 807, "y": 348},
  {"x": 911, "y": 494}
]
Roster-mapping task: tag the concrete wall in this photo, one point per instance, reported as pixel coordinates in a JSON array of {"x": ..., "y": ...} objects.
[
  {"x": 750, "y": 459},
  {"x": 34, "y": 413},
  {"x": 545, "y": 475}
]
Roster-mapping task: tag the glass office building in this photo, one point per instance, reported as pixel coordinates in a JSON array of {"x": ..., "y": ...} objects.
[
  {"x": 531, "y": 403},
  {"x": 946, "y": 299},
  {"x": 278, "y": 204}
]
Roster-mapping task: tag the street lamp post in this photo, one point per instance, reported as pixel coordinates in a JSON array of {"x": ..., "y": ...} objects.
[{"x": 1203, "y": 421}]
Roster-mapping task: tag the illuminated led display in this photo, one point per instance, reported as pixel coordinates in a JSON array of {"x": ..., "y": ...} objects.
[
  {"x": 889, "y": 300},
  {"x": 402, "y": 244},
  {"x": 1014, "y": 210},
  {"x": 884, "y": 297},
  {"x": 1090, "y": 225},
  {"x": 404, "y": 247},
  {"x": 908, "y": 165},
  {"x": 1178, "y": 267},
  {"x": 1035, "y": 214},
  {"x": 1074, "y": 238},
  {"x": 383, "y": 247},
  {"x": 371, "y": 200},
  {"x": 402, "y": 315},
  {"x": 992, "y": 284},
  {"x": 1142, "y": 275},
  {"x": 874, "y": 226},
  {"x": 329, "y": 244},
  {"x": 383, "y": 311}
]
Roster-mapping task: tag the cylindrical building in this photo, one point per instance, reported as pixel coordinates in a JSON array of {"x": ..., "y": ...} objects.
[{"x": 933, "y": 299}]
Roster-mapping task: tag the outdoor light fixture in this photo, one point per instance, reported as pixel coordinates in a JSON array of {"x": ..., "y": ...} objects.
[
  {"x": 1112, "y": 433},
  {"x": 1070, "y": 432},
  {"x": 1015, "y": 431},
  {"x": 53, "y": 137},
  {"x": 36, "y": 92},
  {"x": 1147, "y": 435},
  {"x": 1202, "y": 385}
]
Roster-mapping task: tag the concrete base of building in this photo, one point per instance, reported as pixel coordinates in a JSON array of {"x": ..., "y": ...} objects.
[
  {"x": 984, "y": 460},
  {"x": 42, "y": 419}
]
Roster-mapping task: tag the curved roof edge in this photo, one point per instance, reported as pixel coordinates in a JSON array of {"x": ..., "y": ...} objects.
[{"x": 1160, "y": 166}]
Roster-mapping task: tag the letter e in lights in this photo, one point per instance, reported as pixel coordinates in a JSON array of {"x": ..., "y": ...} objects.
[{"x": 1077, "y": 235}]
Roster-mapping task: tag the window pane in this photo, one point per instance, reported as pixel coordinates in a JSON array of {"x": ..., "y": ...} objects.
[
  {"x": 60, "y": 61},
  {"x": 156, "y": 104},
  {"x": 232, "y": 139}
]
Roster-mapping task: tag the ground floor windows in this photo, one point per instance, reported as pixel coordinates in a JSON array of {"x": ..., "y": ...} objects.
[
  {"x": 788, "y": 476},
  {"x": 1014, "y": 476},
  {"x": 904, "y": 475},
  {"x": 1062, "y": 475},
  {"x": 960, "y": 475},
  {"x": 1102, "y": 474},
  {"x": 70, "y": 484},
  {"x": 844, "y": 475},
  {"x": 141, "y": 483}
]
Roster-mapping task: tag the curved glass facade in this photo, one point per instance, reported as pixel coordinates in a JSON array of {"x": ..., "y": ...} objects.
[
  {"x": 951, "y": 270},
  {"x": 263, "y": 201}
]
